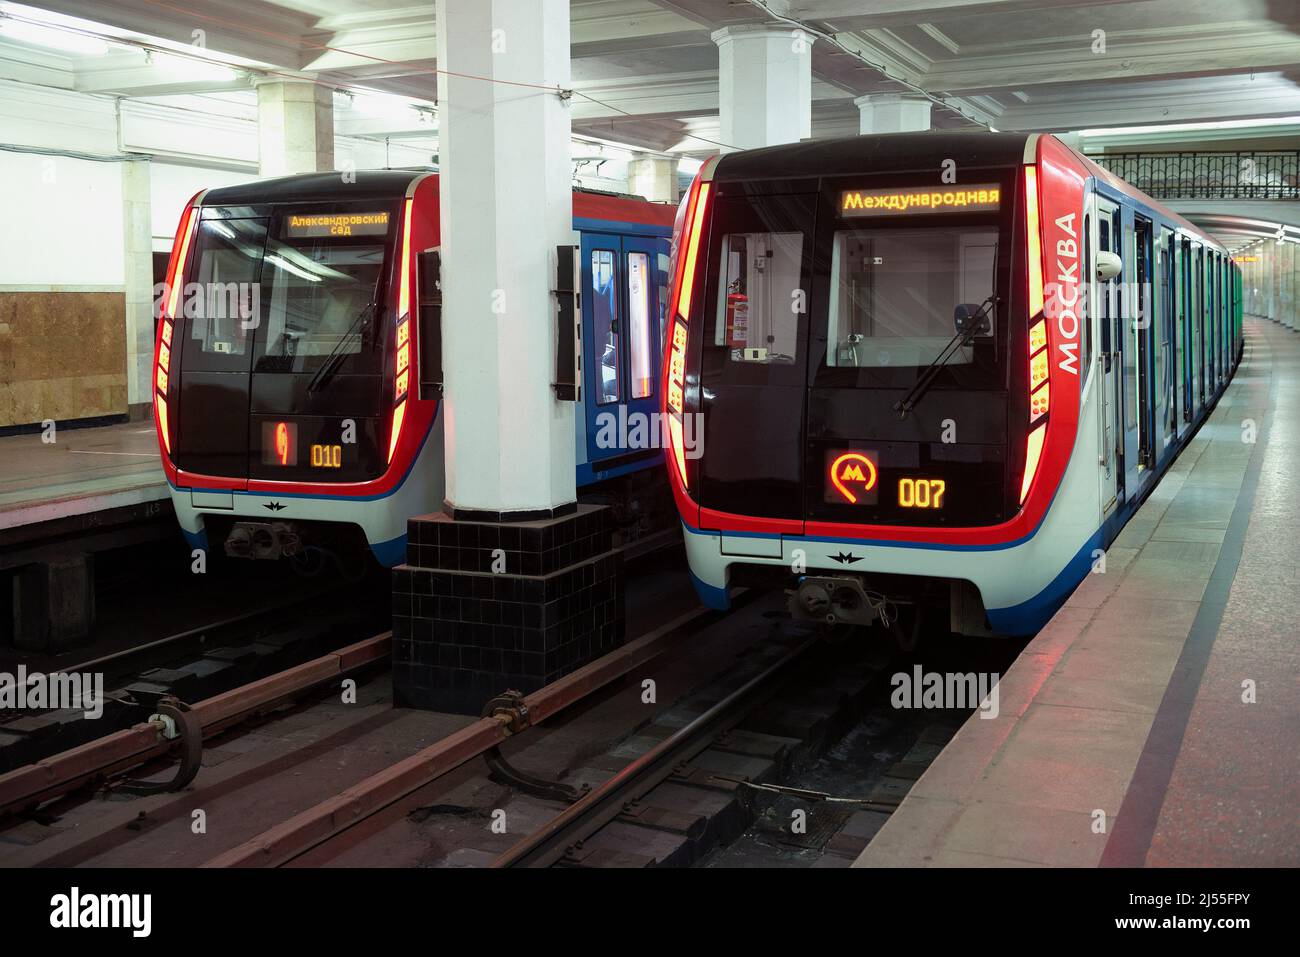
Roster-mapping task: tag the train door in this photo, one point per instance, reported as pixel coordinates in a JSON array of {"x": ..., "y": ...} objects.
[
  {"x": 1198, "y": 326},
  {"x": 1178, "y": 392},
  {"x": 1166, "y": 405},
  {"x": 1221, "y": 316},
  {"x": 1135, "y": 347},
  {"x": 1107, "y": 299},
  {"x": 620, "y": 317},
  {"x": 216, "y": 349},
  {"x": 752, "y": 379}
]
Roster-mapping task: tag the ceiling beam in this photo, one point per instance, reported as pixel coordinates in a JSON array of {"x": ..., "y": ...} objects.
[
  {"x": 251, "y": 29},
  {"x": 1166, "y": 52},
  {"x": 1122, "y": 105}
]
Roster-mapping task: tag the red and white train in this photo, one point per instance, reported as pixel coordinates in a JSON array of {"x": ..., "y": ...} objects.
[
  {"x": 918, "y": 371},
  {"x": 297, "y": 367}
]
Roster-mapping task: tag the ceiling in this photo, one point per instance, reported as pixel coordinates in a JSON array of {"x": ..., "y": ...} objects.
[
  {"x": 648, "y": 68},
  {"x": 1013, "y": 64}
]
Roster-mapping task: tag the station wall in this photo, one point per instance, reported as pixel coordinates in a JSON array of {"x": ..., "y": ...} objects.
[
  {"x": 91, "y": 190},
  {"x": 62, "y": 294}
]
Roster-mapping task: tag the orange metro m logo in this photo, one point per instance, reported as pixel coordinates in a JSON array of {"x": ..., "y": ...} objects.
[{"x": 856, "y": 468}]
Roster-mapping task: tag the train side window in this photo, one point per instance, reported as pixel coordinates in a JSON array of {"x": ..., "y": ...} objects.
[
  {"x": 760, "y": 304},
  {"x": 640, "y": 367},
  {"x": 1132, "y": 278},
  {"x": 604, "y": 317},
  {"x": 1106, "y": 292}
]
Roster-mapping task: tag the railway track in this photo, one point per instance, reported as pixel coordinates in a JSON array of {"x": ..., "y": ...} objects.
[
  {"x": 190, "y": 665},
  {"x": 699, "y": 774},
  {"x": 244, "y": 657},
  {"x": 563, "y": 836}
]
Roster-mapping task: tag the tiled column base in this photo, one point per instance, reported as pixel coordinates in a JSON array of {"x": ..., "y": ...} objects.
[{"x": 463, "y": 632}]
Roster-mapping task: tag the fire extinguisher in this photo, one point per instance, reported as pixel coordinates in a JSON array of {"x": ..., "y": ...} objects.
[{"x": 737, "y": 320}]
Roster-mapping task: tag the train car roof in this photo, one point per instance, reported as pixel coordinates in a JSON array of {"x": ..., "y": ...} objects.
[
  {"x": 387, "y": 184},
  {"x": 315, "y": 187},
  {"x": 888, "y": 152}
]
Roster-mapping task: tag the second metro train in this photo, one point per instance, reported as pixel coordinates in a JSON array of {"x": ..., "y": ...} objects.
[
  {"x": 915, "y": 393},
  {"x": 306, "y": 417}
]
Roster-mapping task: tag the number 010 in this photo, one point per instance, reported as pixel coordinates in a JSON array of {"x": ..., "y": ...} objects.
[
  {"x": 327, "y": 456},
  {"x": 921, "y": 493}
]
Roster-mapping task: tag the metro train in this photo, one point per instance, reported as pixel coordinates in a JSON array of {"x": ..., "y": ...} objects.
[
  {"x": 297, "y": 360},
  {"x": 913, "y": 373}
]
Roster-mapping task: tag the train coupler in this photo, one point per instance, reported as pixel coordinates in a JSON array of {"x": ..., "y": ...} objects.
[
  {"x": 834, "y": 599},
  {"x": 263, "y": 540}
]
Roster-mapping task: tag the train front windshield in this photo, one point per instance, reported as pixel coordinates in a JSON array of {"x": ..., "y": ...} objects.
[
  {"x": 284, "y": 331},
  {"x": 892, "y": 298},
  {"x": 819, "y": 324},
  {"x": 324, "y": 292}
]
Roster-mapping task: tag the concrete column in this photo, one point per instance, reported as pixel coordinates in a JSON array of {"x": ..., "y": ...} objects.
[
  {"x": 765, "y": 85},
  {"x": 53, "y": 604},
  {"x": 506, "y": 204},
  {"x": 892, "y": 113},
  {"x": 295, "y": 127},
  {"x": 1275, "y": 310},
  {"x": 1289, "y": 258},
  {"x": 137, "y": 256},
  {"x": 654, "y": 177}
]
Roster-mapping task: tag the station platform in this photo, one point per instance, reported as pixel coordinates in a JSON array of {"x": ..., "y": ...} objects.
[
  {"x": 1155, "y": 720},
  {"x": 85, "y": 479},
  {"x": 83, "y": 470}
]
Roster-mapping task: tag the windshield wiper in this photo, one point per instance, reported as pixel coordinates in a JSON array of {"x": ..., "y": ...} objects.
[
  {"x": 974, "y": 325},
  {"x": 335, "y": 358}
]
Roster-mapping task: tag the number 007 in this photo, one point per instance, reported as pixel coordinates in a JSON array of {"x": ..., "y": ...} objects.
[{"x": 921, "y": 493}]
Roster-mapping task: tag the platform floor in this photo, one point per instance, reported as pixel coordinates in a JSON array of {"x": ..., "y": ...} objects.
[
  {"x": 1124, "y": 736},
  {"x": 82, "y": 471}
]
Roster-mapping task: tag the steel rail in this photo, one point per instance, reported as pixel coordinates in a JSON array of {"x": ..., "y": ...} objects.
[
  {"x": 316, "y": 825},
  {"x": 58, "y": 774},
  {"x": 265, "y": 610},
  {"x": 582, "y": 819}
]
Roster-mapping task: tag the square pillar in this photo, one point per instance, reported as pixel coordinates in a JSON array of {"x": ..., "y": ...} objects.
[
  {"x": 506, "y": 204},
  {"x": 514, "y": 584},
  {"x": 1289, "y": 259},
  {"x": 484, "y": 607},
  {"x": 295, "y": 127},
  {"x": 137, "y": 256},
  {"x": 764, "y": 85},
  {"x": 654, "y": 177},
  {"x": 892, "y": 113},
  {"x": 54, "y": 604},
  {"x": 1277, "y": 308}
]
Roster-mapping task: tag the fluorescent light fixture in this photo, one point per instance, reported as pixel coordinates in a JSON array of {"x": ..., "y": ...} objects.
[
  {"x": 1192, "y": 127},
  {"x": 53, "y": 38}
]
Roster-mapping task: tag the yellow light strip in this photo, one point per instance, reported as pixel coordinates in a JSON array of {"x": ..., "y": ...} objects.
[{"x": 1035, "y": 254}]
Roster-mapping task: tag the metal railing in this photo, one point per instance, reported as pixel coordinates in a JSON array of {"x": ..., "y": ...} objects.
[{"x": 1273, "y": 174}]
